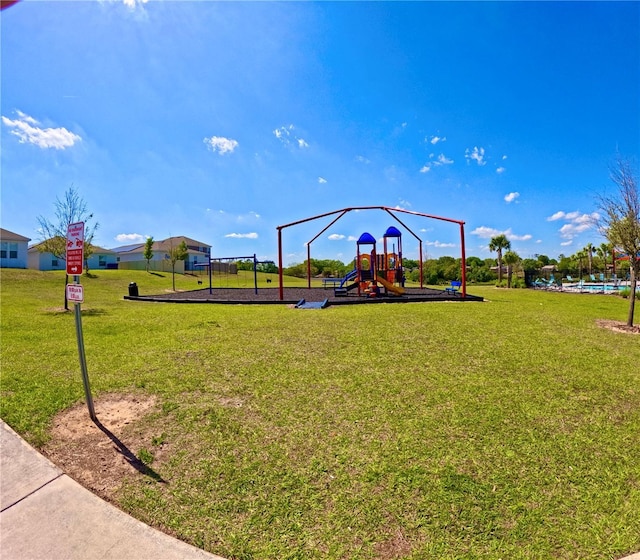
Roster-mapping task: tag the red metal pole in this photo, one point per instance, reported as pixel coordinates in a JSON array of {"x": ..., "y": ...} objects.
[
  {"x": 421, "y": 274},
  {"x": 464, "y": 261},
  {"x": 280, "y": 263}
]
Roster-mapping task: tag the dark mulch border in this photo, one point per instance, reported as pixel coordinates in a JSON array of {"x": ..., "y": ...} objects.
[{"x": 292, "y": 296}]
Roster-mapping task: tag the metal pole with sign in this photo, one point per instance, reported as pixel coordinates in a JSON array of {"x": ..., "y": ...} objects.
[{"x": 75, "y": 293}]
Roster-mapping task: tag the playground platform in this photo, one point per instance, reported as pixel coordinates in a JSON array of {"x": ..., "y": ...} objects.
[{"x": 292, "y": 296}]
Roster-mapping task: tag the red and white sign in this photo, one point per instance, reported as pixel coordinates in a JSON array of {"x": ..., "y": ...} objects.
[
  {"x": 75, "y": 293},
  {"x": 75, "y": 248}
]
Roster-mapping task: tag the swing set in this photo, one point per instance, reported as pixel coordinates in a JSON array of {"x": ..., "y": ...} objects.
[{"x": 218, "y": 262}]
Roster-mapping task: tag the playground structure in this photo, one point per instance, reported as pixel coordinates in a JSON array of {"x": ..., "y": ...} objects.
[
  {"x": 373, "y": 269},
  {"x": 387, "y": 272}
]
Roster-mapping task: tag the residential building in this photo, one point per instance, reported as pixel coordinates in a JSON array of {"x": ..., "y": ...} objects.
[
  {"x": 131, "y": 257},
  {"x": 100, "y": 259},
  {"x": 13, "y": 249}
]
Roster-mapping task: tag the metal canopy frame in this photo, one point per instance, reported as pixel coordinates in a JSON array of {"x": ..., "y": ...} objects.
[{"x": 391, "y": 212}]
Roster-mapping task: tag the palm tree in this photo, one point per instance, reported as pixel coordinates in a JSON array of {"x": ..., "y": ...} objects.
[
  {"x": 603, "y": 252},
  {"x": 510, "y": 258},
  {"x": 589, "y": 249},
  {"x": 580, "y": 256},
  {"x": 498, "y": 244}
]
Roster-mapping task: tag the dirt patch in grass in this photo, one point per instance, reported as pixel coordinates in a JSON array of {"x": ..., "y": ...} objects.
[
  {"x": 101, "y": 455},
  {"x": 397, "y": 546},
  {"x": 618, "y": 326}
]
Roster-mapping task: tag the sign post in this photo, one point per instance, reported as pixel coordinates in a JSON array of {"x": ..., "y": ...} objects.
[{"x": 75, "y": 293}]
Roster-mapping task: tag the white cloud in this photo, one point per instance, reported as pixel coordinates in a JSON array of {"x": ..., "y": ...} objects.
[
  {"x": 28, "y": 132},
  {"x": 435, "y": 139},
  {"x": 577, "y": 222},
  {"x": 26, "y": 118},
  {"x": 352, "y": 238},
  {"x": 128, "y": 238},
  {"x": 251, "y": 235},
  {"x": 477, "y": 155},
  {"x": 589, "y": 219},
  {"x": 504, "y": 157},
  {"x": 511, "y": 196},
  {"x": 487, "y": 233},
  {"x": 557, "y": 216},
  {"x": 282, "y": 132},
  {"x": 322, "y": 180},
  {"x": 336, "y": 237},
  {"x": 501, "y": 170},
  {"x": 514, "y": 237},
  {"x": 440, "y": 160},
  {"x": 439, "y": 244},
  {"x": 220, "y": 144},
  {"x": 362, "y": 159},
  {"x": 287, "y": 136},
  {"x": 569, "y": 231},
  {"x": 133, "y": 4}
]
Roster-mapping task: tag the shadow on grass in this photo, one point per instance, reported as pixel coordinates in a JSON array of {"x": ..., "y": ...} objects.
[
  {"x": 94, "y": 312},
  {"x": 158, "y": 274},
  {"x": 129, "y": 456}
]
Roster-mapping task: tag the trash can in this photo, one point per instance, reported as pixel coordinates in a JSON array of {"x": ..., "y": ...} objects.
[{"x": 133, "y": 289}]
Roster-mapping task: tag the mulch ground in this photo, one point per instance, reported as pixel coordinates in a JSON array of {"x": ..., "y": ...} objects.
[{"x": 294, "y": 295}]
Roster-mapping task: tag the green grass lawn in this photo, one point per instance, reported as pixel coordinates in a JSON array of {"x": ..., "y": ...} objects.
[{"x": 503, "y": 429}]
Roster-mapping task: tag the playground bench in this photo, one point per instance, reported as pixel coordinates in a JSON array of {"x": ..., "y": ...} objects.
[
  {"x": 453, "y": 289},
  {"x": 333, "y": 282}
]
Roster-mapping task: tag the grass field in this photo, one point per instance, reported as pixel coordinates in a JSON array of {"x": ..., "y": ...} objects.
[{"x": 503, "y": 429}]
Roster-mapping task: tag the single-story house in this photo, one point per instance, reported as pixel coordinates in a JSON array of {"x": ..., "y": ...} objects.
[
  {"x": 99, "y": 259},
  {"x": 13, "y": 249},
  {"x": 102, "y": 259},
  {"x": 131, "y": 257}
]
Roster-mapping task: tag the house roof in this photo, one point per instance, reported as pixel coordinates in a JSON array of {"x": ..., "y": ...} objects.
[
  {"x": 96, "y": 249},
  {"x": 102, "y": 250},
  {"x": 7, "y": 235},
  {"x": 35, "y": 246},
  {"x": 127, "y": 248},
  {"x": 167, "y": 244},
  {"x": 162, "y": 245}
]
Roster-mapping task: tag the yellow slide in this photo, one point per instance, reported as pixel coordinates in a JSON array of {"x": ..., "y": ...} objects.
[{"x": 389, "y": 286}]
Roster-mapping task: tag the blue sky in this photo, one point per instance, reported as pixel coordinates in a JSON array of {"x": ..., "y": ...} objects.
[{"x": 223, "y": 120}]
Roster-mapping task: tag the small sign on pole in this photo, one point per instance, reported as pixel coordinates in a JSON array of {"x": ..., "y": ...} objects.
[
  {"x": 75, "y": 248},
  {"x": 75, "y": 293}
]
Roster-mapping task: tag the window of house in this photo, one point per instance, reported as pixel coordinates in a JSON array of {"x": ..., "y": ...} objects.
[
  {"x": 54, "y": 262},
  {"x": 3, "y": 250},
  {"x": 13, "y": 250},
  {"x": 102, "y": 261}
]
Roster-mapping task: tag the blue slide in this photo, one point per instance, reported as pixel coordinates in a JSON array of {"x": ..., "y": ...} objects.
[{"x": 350, "y": 276}]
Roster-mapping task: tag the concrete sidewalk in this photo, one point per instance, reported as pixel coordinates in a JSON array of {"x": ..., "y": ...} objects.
[{"x": 45, "y": 514}]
